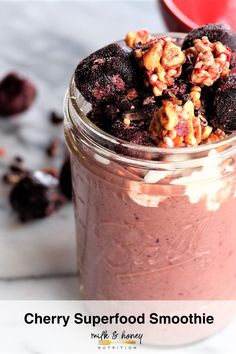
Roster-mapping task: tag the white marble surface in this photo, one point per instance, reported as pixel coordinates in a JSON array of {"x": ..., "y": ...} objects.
[{"x": 45, "y": 40}]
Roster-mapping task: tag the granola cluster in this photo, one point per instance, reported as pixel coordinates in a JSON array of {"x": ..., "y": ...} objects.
[
  {"x": 176, "y": 124},
  {"x": 162, "y": 61},
  {"x": 210, "y": 61},
  {"x": 143, "y": 36},
  {"x": 153, "y": 91}
]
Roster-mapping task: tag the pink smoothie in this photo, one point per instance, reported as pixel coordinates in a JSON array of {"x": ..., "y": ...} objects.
[{"x": 149, "y": 241}]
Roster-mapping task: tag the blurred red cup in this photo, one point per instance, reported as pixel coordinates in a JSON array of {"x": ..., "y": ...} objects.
[{"x": 184, "y": 15}]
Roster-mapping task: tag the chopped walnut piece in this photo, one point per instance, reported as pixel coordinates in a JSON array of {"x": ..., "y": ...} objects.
[
  {"x": 214, "y": 136},
  {"x": 173, "y": 56},
  {"x": 53, "y": 147},
  {"x": 139, "y": 37},
  {"x": 211, "y": 61},
  {"x": 195, "y": 96},
  {"x": 11, "y": 179},
  {"x": 126, "y": 121},
  {"x": 51, "y": 171},
  {"x": 206, "y": 131},
  {"x": 162, "y": 61},
  {"x": 175, "y": 125}
]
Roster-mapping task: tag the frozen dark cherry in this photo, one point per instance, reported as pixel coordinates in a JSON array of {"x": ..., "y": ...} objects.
[
  {"x": 16, "y": 94},
  {"x": 65, "y": 179},
  {"x": 107, "y": 72},
  {"x": 214, "y": 32},
  {"x": 56, "y": 118},
  {"x": 225, "y": 105},
  {"x": 123, "y": 131},
  {"x": 36, "y": 196}
]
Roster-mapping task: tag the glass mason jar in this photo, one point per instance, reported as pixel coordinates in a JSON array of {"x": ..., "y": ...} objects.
[{"x": 152, "y": 223}]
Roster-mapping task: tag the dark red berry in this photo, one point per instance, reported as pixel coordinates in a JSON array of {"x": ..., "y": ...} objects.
[
  {"x": 225, "y": 105},
  {"x": 123, "y": 131},
  {"x": 16, "y": 94},
  {"x": 19, "y": 159},
  {"x": 65, "y": 179},
  {"x": 108, "y": 72},
  {"x": 56, "y": 118},
  {"x": 36, "y": 196}
]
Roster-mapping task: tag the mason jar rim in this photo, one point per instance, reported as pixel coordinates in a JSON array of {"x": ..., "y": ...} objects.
[{"x": 103, "y": 139}]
